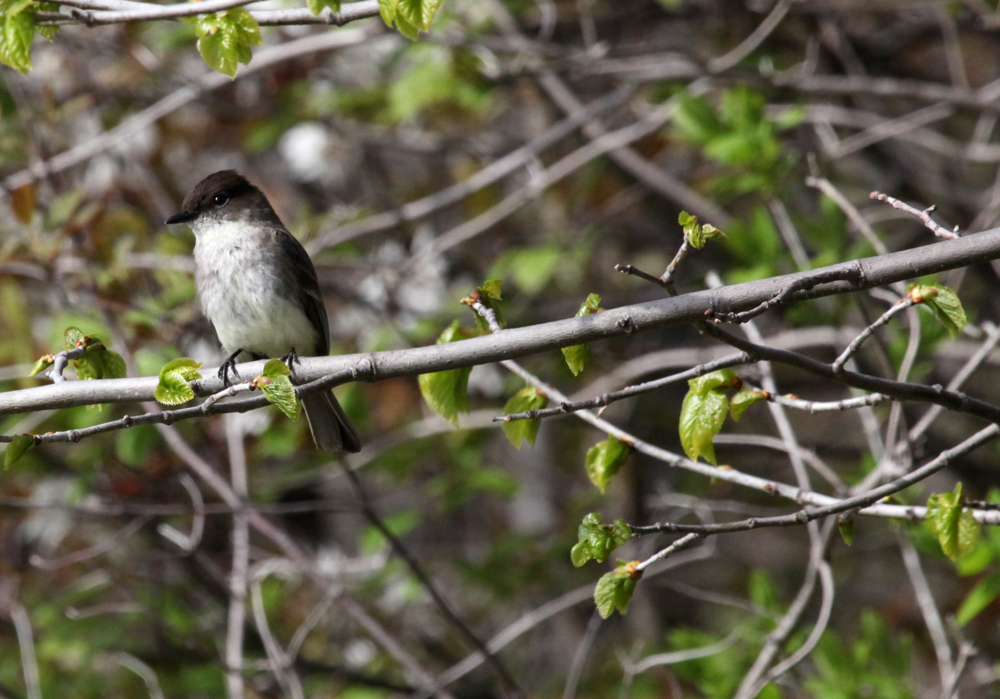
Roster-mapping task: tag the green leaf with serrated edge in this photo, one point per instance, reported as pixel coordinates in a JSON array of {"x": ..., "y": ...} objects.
[
  {"x": 447, "y": 392},
  {"x": 686, "y": 219},
  {"x": 956, "y": 529},
  {"x": 173, "y": 388},
  {"x": 17, "y": 30},
  {"x": 19, "y": 446},
  {"x": 597, "y": 541},
  {"x": 519, "y": 430},
  {"x": 948, "y": 309},
  {"x": 316, "y": 6},
  {"x": 614, "y": 590},
  {"x": 41, "y": 365},
  {"x": 275, "y": 368},
  {"x": 225, "y": 38},
  {"x": 702, "y": 415},
  {"x": 280, "y": 391},
  {"x": 419, "y": 13},
  {"x": 387, "y": 9},
  {"x": 604, "y": 459},
  {"x": 71, "y": 336},
  {"x": 980, "y": 597},
  {"x": 575, "y": 355},
  {"x": 741, "y": 401}
]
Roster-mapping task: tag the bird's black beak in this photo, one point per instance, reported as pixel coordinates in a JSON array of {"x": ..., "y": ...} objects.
[{"x": 182, "y": 217}]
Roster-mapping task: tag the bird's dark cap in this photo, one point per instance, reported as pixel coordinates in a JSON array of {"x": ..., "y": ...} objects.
[{"x": 216, "y": 189}]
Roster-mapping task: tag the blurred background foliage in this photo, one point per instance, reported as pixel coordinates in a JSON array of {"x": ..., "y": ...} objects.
[{"x": 340, "y": 140}]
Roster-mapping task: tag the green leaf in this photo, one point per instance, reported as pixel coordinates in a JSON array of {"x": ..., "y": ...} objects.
[
  {"x": 696, "y": 235},
  {"x": 98, "y": 362},
  {"x": 447, "y": 392},
  {"x": 846, "y": 526},
  {"x": 316, "y": 6},
  {"x": 944, "y": 303},
  {"x": 418, "y": 13},
  {"x": 48, "y": 31},
  {"x": 491, "y": 288},
  {"x": 743, "y": 400},
  {"x": 614, "y": 590},
  {"x": 604, "y": 459},
  {"x": 19, "y": 446},
  {"x": 956, "y": 530},
  {"x": 597, "y": 541},
  {"x": 275, "y": 368},
  {"x": 17, "y": 30},
  {"x": 405, "y": 28},
  {"x": 519, "y": 430},
  {"x": 41, "y": 365},
  {"x": 978, "y": 598},
  {"x": 225, "y": 38},
  {"x": 489, "y": 296},
  {"x": 278, "y": 389},
  {"x": 387, "y": 8},
  {"x": 71, "y": 336},
  {"x": 702, "y": 415},
  {"x": 575, "y": 354},
  {"x": 173, "y": 388}
]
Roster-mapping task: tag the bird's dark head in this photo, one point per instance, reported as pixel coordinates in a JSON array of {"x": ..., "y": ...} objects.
[{"x": 224, "y": 197}]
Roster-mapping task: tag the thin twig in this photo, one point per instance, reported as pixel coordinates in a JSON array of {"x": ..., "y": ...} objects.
[{"x": 925, "y": 215}]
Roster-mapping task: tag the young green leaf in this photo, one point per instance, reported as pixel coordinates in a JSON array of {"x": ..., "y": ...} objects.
[
  {"x": 604, "y": 459},
  {"x": 743, "y": 400},
  {"x": 316, "y": 6},
  {"x": 447, "y": 392},
  {"x": 979, "y": 598},
  {"x": 614, "y": 590},
  {"x": 944, "y": 303},
  {"x": 19, "y": 446},
  {"x": 418, "y": 13},
  {"x": 98, "y": 362},
  {"x": 956, "y": 529},
  {"x": 71, "y": 336},
  {"x": 519, "y": 430},
  {"x": 387, "y": 9},
  {"x": 702, "y": 415},
  {"x": 225, "y": 38},
  {"x": 42, "y": 364},
  {"x": 597, "y": 541},
  {"x": 278, "y": 389},
  {"x": 17, "y": 29},
  {"x": 173, "y": 388},
  {"x": 491, "y": 289},
  {"x": 576, "y": 354},
  {"x": 845, "y": 524},
  {"x": 489, "y": 295},
  {"x": 696, "y": 235}
]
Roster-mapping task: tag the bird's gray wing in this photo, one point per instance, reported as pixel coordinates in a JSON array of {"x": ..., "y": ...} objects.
[{"x": 305, "y": 290}]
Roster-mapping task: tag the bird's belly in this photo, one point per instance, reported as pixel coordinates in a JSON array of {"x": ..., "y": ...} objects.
[{"x": 242, "y": 298}]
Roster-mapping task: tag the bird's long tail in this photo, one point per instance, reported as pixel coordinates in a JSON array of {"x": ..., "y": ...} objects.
[{"x": 331, "y": 430}]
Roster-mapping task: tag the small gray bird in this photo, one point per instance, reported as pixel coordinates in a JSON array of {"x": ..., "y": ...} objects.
[{"x": 259, "y": 289}]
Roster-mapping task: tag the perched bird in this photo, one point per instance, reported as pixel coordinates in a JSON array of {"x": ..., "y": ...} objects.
[{"x": 259, "y": 289}]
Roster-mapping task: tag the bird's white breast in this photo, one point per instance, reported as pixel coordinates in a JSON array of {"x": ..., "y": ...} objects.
[{"x": 241, "y": 294}]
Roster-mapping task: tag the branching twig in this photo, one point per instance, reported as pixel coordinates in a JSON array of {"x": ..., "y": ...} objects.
[{"x": 925, "y": 215}]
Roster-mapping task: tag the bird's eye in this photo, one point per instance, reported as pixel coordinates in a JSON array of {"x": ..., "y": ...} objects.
[{"x": 220, "y": 199}]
